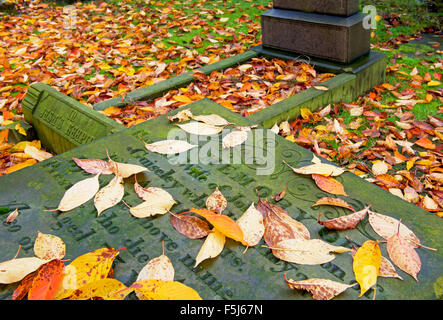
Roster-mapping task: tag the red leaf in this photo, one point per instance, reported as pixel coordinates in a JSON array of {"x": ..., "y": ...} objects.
[{"x": 47, "y": 281}]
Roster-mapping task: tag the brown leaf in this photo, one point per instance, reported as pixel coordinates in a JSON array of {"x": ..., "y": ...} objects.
[
  {"x": 12, "y": 216},
  {"x": 345, "y": 222},
  {"x": 216, "y": 201},
  {"x": 321, "y": 289},
  {"x": 94, "y": 166},
  {"x": 403, "y": 255},
  {"x": 387, "y": 269},
  {"x": 190, "y": 226}
]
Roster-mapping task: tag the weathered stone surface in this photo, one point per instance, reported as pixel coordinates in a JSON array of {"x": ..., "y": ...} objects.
[
  {"x": 334, "y": 7},
  {"x": 235, "y": 274},
  {"x": 62, "y": 122},
  {"x": 341, "y": 39}
]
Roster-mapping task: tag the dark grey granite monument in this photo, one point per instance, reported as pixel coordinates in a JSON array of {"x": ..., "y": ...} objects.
[{"x": 331, "y": 30}]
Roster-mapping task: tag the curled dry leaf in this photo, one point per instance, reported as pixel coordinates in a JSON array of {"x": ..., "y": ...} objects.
[
  {"x": 366, "y": 265},
  {"x": 212, "y": 119},
  {"x": 190, "y": 226},
  {"x": 156, "y": 201},
  {"x": 387, "y": 269},
  {"x": 48, "y": 247},
  {"x": 94, "y": 166},
  {"x": 201, "y": 129},
  {"x": 222, "y": 223},
  {"x": 302, "y": 251},
  {"x": 279, "y": 225},
  {"x": 345, "y": 222},
  {"x": 386, "y": 227},
  {"x": 323, "y": 169},
  {"x": 216, "y": 201},
  {"x": 109, "y": 195},
  {"x": 252, "y": 225},
  {"x": 234, "y": 138},
  {"x": 329, "y": 184},
  {"x": 16, "y": 269},
  {"x": 169, "y": 146},
  {"x": 281, "y": 194},
  {"x": 163, "y": 290},
  {"x": 321, "y": 289},
  {"x": 78, "y": 194},
  {"x": 212, "y": 247},
  {"x": 47, "y": 281},
  {"x": 403, "y": 255},
  {"x": 181, "y": 116},
  {"x": 12, "y": 216},
  {"x": 105, "y": 289},
  {"x": 327, "y": 201}
]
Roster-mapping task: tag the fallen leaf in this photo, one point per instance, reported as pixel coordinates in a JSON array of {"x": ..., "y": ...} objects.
[
  {"x": 156, "y": 201},
  {"x": 16, "y": 269},
  {"x": 190, "y": 226},
  {"x": 48, "y": 247},
  {"x": 366, "y": 265},
  {"x": 252, "y": 225},
  {"x": 94, "y": 166},
  {"x": 181, "y": 116},
  {"x": 329, "y": 184},
  {"x": 12, "y": 216},
  {"x": 125, "y": 170},
  {"x": 345, "y": 222},
  {"x": 327, "y": 201},
  {"x": 387, "y": 269},
  {"x": 306, "y": 252},
  {"x": 169, "y": 146},
  {"x": 47, "y": 281},
  {"x": 104, "y": 289},
  {"x": 321, "y": 289},
  {"x": 234, "y": 138},
  {"x": 212, "y": 246},
  {"x": 22, "y": 289},
  {"x": 199, "y": 128},
  {"x": 78, "y": 194},
  {"x": 386, "y": 227},
  {"x": 163, "y": 290},
  {"x": 323, "y": 169},
  {"x": 403, "y": 254},
  {"x": 109, "y": 195},
  {"x": 222, "y": 223},
  {"x": 38, "y": 155},
  {"x": 212, "y": 120},
  {"x": 216, "y": 202}
]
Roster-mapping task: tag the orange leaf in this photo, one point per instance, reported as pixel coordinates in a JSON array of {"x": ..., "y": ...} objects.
[
  {"x": 425, "y": 143},
  {"x": 222, "y": 223},
  {"x": 182, "y": 98},
  {"x": 328, "y": 184},
  {"x": 333, "y": 202},
  {"x": 388, "y": 180},
  {"x": 4, "y": 135},
  {"x": 22, "y": 165},
  {"x": 47, "y": 281},
  {"x": 112, "y": 111}
]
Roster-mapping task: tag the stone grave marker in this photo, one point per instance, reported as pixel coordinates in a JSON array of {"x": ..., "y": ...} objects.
[
  {"x": 235, "y": 274},
  {"x": 333, "y": 31}
]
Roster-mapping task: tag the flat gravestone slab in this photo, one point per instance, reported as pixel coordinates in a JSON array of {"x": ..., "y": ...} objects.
[
  {"x": 341, "y": 39},
  {"x": 61, "y": 122},
  {"x": 334, "y": 7},
  {"x": 235, "y": 274}
]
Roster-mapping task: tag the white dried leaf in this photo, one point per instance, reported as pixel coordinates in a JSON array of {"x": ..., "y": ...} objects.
[
  {"x": 199, "y": 128},
  {"x": 252, "y": 225},
  {"x": 109, "y": 195},
  {"x": 212, "y": 247},
  {"x": 169, "y": 146},
  {"x": 234, "y": 138}
]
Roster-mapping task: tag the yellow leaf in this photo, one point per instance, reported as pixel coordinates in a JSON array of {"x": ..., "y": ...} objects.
[
  {"x": 434, "y": 83},
  {"x": 107, "y": 289},
  {"x": 290, "y": 138},
  {"x": 305, "y": 113},
  {"x": 212, "y": 247},
  {"x": 164, "y": 290},
  {"x": 366, "y": 265},
  {"x": 22, "y": 165},
  {"x": 182, "y": 98}
]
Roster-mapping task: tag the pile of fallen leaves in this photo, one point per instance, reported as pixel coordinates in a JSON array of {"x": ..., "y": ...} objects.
[
  {"x": 383, "y": 144},
  {"x": 45, "y": 276},
  {"x": 245, "y": 89}
]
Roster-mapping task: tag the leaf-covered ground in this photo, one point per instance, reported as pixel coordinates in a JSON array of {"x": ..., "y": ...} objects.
[{"x": 96, "y": 50}]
